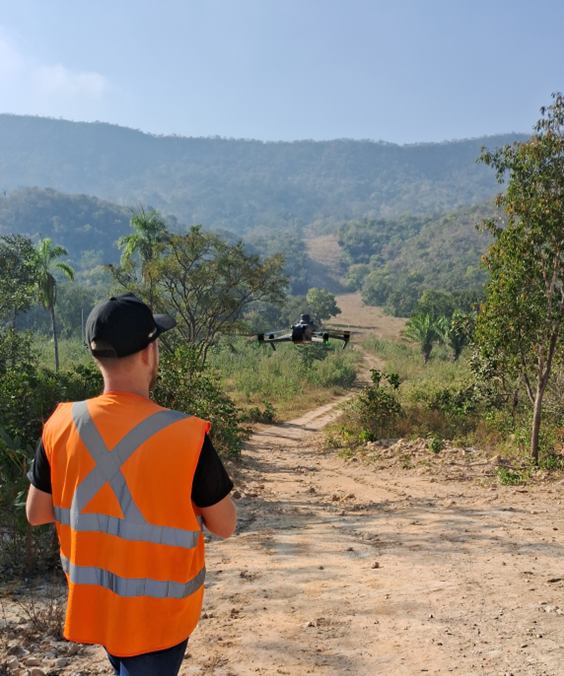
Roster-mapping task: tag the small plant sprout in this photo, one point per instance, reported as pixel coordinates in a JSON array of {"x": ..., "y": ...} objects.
[{"x": 435, "y": 444}]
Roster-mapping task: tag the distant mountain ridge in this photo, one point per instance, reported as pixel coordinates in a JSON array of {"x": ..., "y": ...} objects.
[{"x": 244, "y": 185}]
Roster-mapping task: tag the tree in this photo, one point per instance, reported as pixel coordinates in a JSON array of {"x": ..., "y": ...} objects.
[
  {"x": 323, "y": 304},
  {"x": 150, "y": 233},
  {"x": 205, "y": 283},
  {"x": 150, "y": 230},
  {"x": 435, "y": 303},
  {"x": 455, "y": 332},
  {"x": 356, "y": 275},
  {"x": 17, "y": 275},
  {"x": 404, "y": 294},
  {"x": 520, "y": 322},
  {"x": 46, "y": 284},
  {"x": 425, "y": 330}
]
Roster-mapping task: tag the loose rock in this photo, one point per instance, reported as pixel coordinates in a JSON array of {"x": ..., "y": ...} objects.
[
  {"x": 13, "y": 663},
  {"x": 32, "y": 662}
]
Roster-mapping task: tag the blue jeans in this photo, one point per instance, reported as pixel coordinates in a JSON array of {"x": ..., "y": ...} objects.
[{"x": 159, "y": 663}]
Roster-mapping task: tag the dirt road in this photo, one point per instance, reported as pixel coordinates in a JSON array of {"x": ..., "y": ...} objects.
[
  {"x": 338, "y": 568},
  {"x": 344, "y": 567}
]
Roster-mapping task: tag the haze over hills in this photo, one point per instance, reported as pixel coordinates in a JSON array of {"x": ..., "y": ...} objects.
[{"x": 244, "y": 185}]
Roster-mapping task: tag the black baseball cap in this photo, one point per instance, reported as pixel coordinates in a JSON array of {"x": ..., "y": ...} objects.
[{"x": 123, "y": 325}]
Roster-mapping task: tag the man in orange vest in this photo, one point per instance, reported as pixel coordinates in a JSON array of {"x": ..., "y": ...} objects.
[{"x": 130, "y": 485}]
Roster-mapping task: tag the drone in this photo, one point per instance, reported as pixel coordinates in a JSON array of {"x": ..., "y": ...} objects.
[{"x": 302, "y": 333}]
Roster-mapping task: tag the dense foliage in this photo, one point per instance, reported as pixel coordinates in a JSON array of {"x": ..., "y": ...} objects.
[
  {"x": 28, "y": 396},
  {"x": 394, "y": 261},
  {"x": 520, "y": 326},
  {"x": 18, "y": 277},
  {"x": 241, "y": 185},
  {"x": 391, "y": 261},
  {"x": 296, "y": 263}
]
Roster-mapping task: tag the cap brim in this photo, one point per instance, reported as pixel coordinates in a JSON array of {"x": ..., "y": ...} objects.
[{"x": 164, "y": 323}]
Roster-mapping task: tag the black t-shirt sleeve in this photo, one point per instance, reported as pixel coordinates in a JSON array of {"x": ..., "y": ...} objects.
[
  {"x": 211, "y": 481},
  {"x": 40, "y": 473}
]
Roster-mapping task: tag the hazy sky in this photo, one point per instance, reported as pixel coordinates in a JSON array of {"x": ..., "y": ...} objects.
[{"x": 399, "y": 70}]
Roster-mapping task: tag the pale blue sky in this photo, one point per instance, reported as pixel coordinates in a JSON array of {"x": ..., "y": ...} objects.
[{"x": 403, "y": 71}]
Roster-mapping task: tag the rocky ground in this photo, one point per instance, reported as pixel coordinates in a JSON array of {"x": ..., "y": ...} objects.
[{"x": 397, "y": 561}]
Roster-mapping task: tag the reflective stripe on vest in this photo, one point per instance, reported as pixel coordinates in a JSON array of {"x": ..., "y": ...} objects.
[
  {"x": 133, "y": 526},
  {"x": 130, "y": 587}
]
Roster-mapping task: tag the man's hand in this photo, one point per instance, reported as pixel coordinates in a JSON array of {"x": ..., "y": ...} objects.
[
  {"x": 221, "y": 518},
  {"x": 39, "y": 507}
]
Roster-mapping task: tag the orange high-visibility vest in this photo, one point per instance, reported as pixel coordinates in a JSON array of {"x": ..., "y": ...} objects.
[{"x": 131, "y": 539}]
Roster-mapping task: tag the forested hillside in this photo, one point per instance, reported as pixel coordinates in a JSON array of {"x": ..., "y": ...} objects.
[
  {"x": 80, "y": 223},
  {"x": 244, "y": 185},
  {"x": 393, "y": 261}
]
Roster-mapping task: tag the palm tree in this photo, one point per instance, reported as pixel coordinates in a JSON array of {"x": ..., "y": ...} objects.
[
  {"x": 47, "y": 253},
  {"x": 150, "y": 231},
  {"x": 425, "y": 330},
  {"x": 456, "y": 332}
]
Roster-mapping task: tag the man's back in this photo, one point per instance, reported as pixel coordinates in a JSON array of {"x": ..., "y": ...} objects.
[
  {"x": 121, "y": 472},
  {"x": 130, "y": 486}
]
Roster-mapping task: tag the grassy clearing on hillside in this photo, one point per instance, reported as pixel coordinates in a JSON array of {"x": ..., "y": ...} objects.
[
  {"x": 292, "y": 379},
  {"x": 357, "y": 316}
]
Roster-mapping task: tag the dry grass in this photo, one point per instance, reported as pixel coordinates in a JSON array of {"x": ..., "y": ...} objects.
[
  {"x": 365, "y": 319},
  {"x": 297, "y": 406},
  {"x": 44, "y": 606},
  {"x": 324, "y": 250}
]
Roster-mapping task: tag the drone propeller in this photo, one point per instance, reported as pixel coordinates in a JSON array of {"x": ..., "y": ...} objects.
[
  {"x": 337, "y": 334},
  {"x": 259, "y": 333}
]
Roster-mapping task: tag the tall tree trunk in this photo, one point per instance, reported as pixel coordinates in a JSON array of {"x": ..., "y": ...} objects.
[
  {"x": 52, "y": 308},
  {"x": 537, "y": 408},
  {"x": 542, "y": 382}
]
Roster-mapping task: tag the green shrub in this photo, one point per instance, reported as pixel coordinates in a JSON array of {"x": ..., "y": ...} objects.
[
  {"x": 552, "y": 462},
  {"x": 507, "y": 477},
  {"x": 370, "y": 414},
  {"x": 435, "y": 443},
  {"x": 256, "y": 415},
  {"x": 28, "y": 396}
]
